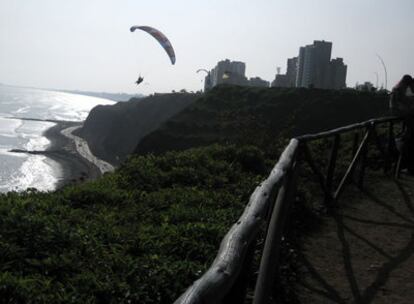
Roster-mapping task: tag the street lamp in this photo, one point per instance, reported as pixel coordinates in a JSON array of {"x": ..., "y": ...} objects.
[
  {"x": 376, "y": 79},
  {"x": 385, "y": 70}
]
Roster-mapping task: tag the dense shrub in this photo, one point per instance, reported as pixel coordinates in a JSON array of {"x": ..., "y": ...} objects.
[{"x": 139, "y": 235}]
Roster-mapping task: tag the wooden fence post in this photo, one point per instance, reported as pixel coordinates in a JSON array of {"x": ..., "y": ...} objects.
[
  {"x": 331, "y": 167},
  {"x": 351, "y": 168},
  {"x": 355, "y": 146},
  {"x": 364, "y": 158},
  {"x": 269, "y": 262}
]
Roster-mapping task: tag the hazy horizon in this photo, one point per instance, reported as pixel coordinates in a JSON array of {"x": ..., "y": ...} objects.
[{"x": 87, "y": 46}]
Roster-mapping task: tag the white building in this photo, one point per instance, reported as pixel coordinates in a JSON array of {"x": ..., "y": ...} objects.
[{"x": 226, "y": 71}]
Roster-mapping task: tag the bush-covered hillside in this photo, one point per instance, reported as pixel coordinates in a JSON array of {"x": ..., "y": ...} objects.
[
  {"x": 261, "y": 116},
  {"x": 139, "y": 235}
]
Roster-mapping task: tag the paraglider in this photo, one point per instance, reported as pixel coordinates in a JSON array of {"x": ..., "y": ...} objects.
[
  {"x": 207, "y": 79},
  {"x": 203, "y": 70},
  {"x": 160, "y": 37}
]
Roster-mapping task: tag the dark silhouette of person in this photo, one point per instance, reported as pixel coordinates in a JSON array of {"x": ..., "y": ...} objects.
[
  {"x": 140, "y": 79},
  {"x": 401, "y": 103}
]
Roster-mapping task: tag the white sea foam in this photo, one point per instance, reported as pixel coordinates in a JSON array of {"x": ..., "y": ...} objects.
[
  {"x": 32, "y": 132},
  {"x": 37, "y": 143},
  {"x": 24, "y": 109},
  {"x": 35, "y": 172},
  {"x": 8, "y": 126}
]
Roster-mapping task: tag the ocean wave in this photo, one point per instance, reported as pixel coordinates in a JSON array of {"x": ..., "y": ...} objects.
[
  {"x": 21, "y": 110},
  {"x": 34, "y": 173},
  {"x": 38, "y": 143},
  {"x": 8, "y": 127}
]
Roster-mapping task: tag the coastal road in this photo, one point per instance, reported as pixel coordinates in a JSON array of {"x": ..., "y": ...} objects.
[{"x": 83, "y": 149}]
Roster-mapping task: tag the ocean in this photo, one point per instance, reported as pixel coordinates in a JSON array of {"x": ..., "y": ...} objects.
[{"x": 19, "y": 171}]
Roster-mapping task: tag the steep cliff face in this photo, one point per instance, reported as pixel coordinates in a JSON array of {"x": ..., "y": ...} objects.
[{"x": 113, "y": 131}]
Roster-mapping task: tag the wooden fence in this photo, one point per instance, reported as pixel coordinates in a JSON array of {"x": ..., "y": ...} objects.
[{"x": 227, "y": 278}]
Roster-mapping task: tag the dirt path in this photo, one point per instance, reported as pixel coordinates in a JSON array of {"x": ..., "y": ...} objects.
[{"x": 364, "y": 253}]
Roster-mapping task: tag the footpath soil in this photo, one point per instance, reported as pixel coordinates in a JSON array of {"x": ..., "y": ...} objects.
[{"x": 363, "y": 252}]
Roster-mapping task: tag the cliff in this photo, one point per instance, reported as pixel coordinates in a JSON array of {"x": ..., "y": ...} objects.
[{"x": 113, "y": 131}]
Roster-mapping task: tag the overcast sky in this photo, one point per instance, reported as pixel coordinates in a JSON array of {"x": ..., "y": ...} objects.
[{"x": 87, "y": 45}]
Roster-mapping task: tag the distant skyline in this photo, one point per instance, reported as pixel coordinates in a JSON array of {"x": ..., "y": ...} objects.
[{"x": 87, "y": 45}]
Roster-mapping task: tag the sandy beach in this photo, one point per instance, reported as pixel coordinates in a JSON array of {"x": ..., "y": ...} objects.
[
  {"x": 62, "y": 149},
  {"x": 72, "y": 153}
]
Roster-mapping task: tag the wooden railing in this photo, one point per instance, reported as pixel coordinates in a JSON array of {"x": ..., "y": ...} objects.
[{"x": 227, "y": 278}]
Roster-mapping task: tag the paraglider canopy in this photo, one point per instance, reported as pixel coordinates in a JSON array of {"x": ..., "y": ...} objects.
[
  {"x": 203, "y": 70},
  {"x": 160, "y": 37}
]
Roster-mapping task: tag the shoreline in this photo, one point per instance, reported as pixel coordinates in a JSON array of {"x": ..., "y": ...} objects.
[
  {"x": 62, "y": 149},
  {"x": 72, "y": 154}
]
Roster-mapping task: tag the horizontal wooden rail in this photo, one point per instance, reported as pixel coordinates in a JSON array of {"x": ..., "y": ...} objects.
[
  {"x": 309, "y": 137},
  {"x": 214, "y": 285}
]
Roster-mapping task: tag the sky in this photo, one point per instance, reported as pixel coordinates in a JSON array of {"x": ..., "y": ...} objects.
[{"x": 87, "y": 45}]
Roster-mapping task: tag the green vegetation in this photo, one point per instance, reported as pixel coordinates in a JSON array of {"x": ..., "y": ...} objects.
[
  {"x": 264, "y": 117},
  {"x": 145, "y": 232},
  {"x": 142, "y": 234}
]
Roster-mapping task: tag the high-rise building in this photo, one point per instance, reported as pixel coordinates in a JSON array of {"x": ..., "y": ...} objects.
[
  {"x": 287, "y": 80},
  {"x": 313, "y": 64},
  {"x": 258, "y": 82},
  {"x": 281, "y": 81},
  {"x": 316, "y": 69},
  {"x": 300, "y": 64},
  {"x": 336, "y": 74},
  {"x": 231, "y": 72},
  {"x": 292, "y": 71},
  {"x": 207, "y": 82}
]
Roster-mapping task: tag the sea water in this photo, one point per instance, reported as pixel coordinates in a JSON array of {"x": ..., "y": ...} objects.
[{"x": 19, "y": 171}]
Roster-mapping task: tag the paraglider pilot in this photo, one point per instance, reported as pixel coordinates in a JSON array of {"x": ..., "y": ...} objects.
[{"x": 139, "y": 80}]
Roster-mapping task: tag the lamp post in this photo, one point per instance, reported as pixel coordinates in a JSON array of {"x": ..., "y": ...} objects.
[
  {"x": 376, "y": 80},
  {"x": 385, "y": 70}
]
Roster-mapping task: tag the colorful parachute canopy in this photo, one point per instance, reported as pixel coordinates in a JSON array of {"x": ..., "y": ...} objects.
[{"x": 160, "y": 37}]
